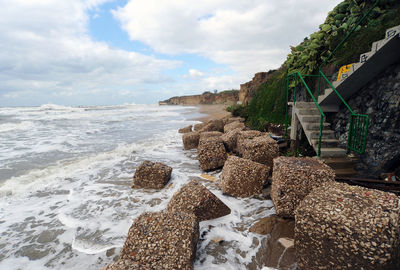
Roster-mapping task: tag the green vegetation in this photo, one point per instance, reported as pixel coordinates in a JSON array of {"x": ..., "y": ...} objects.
[
  {"x": 238, "y": 110},
  {"x": 229, "y": 91},
  {"x": 268, "y": 104}
]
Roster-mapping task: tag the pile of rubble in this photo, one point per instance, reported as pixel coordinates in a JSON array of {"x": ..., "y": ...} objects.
[{"x": 322, "y": 223}]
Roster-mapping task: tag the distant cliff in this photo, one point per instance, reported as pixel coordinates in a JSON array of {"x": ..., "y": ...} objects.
[
  {"x": 226, "y": 97},
  {"x": 247, "y": 90}
]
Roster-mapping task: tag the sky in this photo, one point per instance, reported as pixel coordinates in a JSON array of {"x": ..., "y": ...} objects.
[{"x": 105, "y": 52}]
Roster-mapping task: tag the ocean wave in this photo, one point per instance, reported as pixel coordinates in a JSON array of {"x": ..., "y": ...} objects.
[
  {"x": 55, "y": 107},
  {"x": 16, "y": 126}
]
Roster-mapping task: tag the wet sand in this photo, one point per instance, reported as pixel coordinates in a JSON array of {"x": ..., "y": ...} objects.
[{"x": 212, "y": 112}]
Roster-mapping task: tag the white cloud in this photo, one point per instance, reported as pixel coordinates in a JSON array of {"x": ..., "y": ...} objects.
[
  {"x": 194, "y": 73},
  {"x": 247, "y": 35},
  {"x": 45, "y": 49}
]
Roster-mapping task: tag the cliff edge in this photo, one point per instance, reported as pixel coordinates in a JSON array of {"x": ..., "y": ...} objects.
[{"x": 229, "y": 97}]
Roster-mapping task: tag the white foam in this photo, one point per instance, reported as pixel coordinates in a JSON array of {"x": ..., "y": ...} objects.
[{"x": 16, "y": 126}]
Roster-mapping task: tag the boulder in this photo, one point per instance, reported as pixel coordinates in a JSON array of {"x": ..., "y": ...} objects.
[
  {"x": 151, "y": 175},
  {"x": 276, "y": 226},
  {"x": 230, "y": 139},
  {"x": 213, "y": 125},
  {"x": 261, "y": 149},
  {"x": 243, "y": 178},
  {"x": 198, "y": 127},
  {"x": 209, "y": 134},
  {"x": 196, "y": 199},
  {"x": 233, "y": 125},
  {"x": 123, "y": 265},
  {"x": 190, "y": 140},
  {"x": 293, "y": 178},
  {"x": 230, "y": 119},
  {"x": 276, "y": 250},
  {"x": 185, "y": 129},
  {"x": 245, "y": 135},
  {"x": 339, "y": 226},
  {"x": 162, "y": 240},
  {"x": 211, "y": 153}
]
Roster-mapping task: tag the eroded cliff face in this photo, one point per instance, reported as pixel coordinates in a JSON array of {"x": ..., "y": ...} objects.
[
  {"x": 247, "y": 90},
  {"x": 227, "y": 98}
]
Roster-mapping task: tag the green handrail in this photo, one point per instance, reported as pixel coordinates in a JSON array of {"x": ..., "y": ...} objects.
[
  {"x": 358, "y": 129},
  {"x": 296, "y": 75}
]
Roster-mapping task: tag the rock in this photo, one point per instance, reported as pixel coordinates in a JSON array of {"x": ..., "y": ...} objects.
[
  {"x": 209, "y": 134},
  {"x": 347, "y": 227},
  {"x": 233, "y": 125},
  {"x": 230, "y": 139},
  {"x": 151, "y": 175},
  {"x": 198, "y": 127},
  {"x": 190, "y": 140},
  {"x": 185, "y": 129},
  {"x": 276, "y": 226},
  {"x": 272, "y": 253},
  {"x": 228, "y": 120},
  {"x": 245, "y": 135},
  {"x": 161, "y": 240},
  {"x": 214, "y": 125},
  {"x": 196, "y": 199},
  {"x": 286, "y": 242},
  {"x": 211, "y": 153},
  {"x": 243, "y": 178},
  {"x": 261, "y": 149},
  {"x": 123, "y": 265},
  {"x": 293, "y": 178}
]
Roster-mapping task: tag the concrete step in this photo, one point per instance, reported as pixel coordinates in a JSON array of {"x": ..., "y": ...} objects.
[
  {"x": 314, "y": 134},
  {"x": 340, "y": 162},
  {"x": 304, "y": 105},
  {"x": 309, "y": 118},
  {"x": 391, "y": 32},
  {"x": 315, "y": 126},
  {"x": 309, "y": 111},
  {"x": 332, "y": 152},
  {"x": 365, "y": 56},
  {"x": 330, "y": 143},
  {"x": 348, "y": 172}
]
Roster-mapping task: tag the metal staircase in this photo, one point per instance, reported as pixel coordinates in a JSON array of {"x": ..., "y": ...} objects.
[{"x": 311, "y": 115}]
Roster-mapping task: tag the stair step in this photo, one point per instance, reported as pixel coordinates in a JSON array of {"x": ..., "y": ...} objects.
[
  {"x": 326, "y": 134},
  {"x": 345, "y": 172},
  {"x": 331, "y": 143},
  {"x": 309, "y": 118},
  {"x": 391, "y": 32},
  {"x": 340, "y": 162},
  {"x": 304, "y": 105},
  {"x": 332, "y": 152},
  {"x": 365, "y": 56},
  {"x": 315, "y": 126},
  {"x": 310, "y": 111}
]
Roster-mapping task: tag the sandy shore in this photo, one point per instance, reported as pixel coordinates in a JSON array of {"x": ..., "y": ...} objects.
[{"x": 212, "y": 112}]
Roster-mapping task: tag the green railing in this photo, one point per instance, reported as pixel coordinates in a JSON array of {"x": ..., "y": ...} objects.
[
  {"x": 358, "y": 128},
  {"x": 297, "y": 75}
]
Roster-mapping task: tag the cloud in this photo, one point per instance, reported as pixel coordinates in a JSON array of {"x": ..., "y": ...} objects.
[
  {"x": 45, "y": 48},
  {"x": 246, "y": 35},
  {"x": 194, "y": 73}
]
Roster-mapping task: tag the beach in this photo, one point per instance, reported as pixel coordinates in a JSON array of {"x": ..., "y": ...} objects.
[{"x": 66, "y": 197}]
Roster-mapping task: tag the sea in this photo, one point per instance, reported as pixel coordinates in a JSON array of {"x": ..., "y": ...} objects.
[{"x": 66, "y": 200}]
